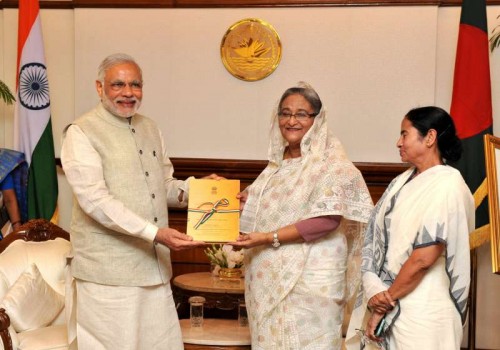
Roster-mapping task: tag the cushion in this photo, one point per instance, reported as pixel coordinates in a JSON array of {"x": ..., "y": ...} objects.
[
  {"x": 60, "y": 319},
  {"x": 53, "y": 337},
  {"x": 31, "y": 303},
  {"x": 49, "y": 256}
]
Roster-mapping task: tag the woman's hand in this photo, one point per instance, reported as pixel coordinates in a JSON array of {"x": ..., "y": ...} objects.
[
  {"x": 381, "y": 302},
  {"x": 253, "y": 239},
  {"x": 372, "y": 325},
  {"x": 242, "y": 196}
]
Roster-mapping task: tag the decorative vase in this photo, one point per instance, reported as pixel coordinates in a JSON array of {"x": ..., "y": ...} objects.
[{"x": 225, "y": 272}]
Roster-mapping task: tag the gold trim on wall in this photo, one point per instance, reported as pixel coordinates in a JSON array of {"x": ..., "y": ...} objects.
[
  {"x": 492, "y": 154},
  {"x": 70, "y": 4}
]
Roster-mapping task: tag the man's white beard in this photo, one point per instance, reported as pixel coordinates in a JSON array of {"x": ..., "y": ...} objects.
[{"x": 110, "y": 107}]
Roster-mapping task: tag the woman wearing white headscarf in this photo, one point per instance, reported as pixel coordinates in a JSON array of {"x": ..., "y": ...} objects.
[{"x": 303, "y": 218}]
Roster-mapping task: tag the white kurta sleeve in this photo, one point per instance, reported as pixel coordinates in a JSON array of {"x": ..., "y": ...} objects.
[
  {"x": 173, "y": 187},
  {"x": 83, "y": 168},
  {"x": 372, "y": 284}
]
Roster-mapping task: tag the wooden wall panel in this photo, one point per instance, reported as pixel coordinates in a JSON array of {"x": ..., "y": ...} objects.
[{"x": 376, "y": 175}]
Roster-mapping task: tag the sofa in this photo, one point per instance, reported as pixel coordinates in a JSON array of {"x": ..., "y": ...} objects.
[{"x": 32, "y": 288}]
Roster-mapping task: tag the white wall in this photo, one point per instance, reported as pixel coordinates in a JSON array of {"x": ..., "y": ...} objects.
[
  {"x": 370, "y": 65},
  {"x": 336, "y": 49}
]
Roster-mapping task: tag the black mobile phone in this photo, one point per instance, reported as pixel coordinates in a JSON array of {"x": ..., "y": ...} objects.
[{"x": 379, "y": 330}]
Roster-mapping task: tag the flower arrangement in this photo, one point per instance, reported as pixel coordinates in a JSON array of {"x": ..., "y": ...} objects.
[{"x": 224, "y": 257}]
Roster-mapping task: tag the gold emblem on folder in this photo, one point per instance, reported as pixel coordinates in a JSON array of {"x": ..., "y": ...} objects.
[{"x": 251, "y": 49}]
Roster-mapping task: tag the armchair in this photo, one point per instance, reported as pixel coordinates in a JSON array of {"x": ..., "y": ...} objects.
[{"x": 32, "y": 274}]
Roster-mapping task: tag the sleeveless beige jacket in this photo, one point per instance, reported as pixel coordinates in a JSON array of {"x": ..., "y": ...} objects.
[{"x": 132, "y": 160}]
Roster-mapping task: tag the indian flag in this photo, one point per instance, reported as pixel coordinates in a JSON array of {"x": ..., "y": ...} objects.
[{"x": 33, "y": 128}]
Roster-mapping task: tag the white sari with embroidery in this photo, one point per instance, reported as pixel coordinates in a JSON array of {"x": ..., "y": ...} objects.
[
  {"x": 434, "y": 207},
  {"x": 296, "y": 294}
]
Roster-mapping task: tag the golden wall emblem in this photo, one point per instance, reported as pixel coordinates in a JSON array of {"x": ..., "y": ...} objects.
[{"x": 251, "y": 49}]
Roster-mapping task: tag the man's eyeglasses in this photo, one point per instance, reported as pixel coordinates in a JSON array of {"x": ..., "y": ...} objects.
[
  {"x": 120, "y": 85},
  {"x": 299, "y": 116}
]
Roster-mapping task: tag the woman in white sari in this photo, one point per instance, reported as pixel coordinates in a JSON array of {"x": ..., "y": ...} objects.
[
  {"x": 416, "y": 253},
  {"x": 303, "y": 218}
]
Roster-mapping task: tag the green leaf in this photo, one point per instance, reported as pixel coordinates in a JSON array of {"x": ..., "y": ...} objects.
[{"x": 5, "y": 93}]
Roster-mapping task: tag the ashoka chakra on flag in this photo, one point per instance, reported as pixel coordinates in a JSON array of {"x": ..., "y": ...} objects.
[{"x": 34, "y": 86}]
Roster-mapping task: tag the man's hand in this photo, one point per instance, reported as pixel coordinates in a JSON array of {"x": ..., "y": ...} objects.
[{"x": 176, "y": 240}]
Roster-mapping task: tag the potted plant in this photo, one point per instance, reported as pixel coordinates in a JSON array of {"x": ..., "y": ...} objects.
[
  {"x": 495, "y": 37},
  {"x": 228, "y": 263},
  {"x": 6, "y": 94}
]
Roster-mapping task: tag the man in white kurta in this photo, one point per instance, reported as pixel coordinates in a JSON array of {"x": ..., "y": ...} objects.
[{"x": 116, "y": 163}]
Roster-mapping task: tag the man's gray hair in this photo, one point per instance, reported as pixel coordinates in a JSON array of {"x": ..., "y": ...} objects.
[{"x": 113, "y": 60}]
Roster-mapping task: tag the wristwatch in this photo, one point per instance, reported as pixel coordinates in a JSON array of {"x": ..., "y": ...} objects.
[{"x": 276, "y": 242}]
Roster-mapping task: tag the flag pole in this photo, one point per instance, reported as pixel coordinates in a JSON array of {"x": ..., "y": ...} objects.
[
  {"x": 471, "y": 110},
  {"x": 471, "y": 335}
]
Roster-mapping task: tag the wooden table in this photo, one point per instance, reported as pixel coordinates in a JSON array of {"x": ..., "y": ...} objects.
[
  {"x": 206, "y": 282},
  {"x": 215, "y": 334},
  {"x": 219, "y": 293}
]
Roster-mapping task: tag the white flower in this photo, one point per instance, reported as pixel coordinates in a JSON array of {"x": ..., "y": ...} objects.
[
  {"x": 220, "y": 255},
  {"x": 235, "y": 257},
  {"x": 224, "y": 256},
  {"x": 227, "y": 248}
]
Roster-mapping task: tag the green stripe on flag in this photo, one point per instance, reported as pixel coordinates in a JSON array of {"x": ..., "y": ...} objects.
[
  {"x": 473, "y": 14},
  {"x": 473, "y": 168},
  {"x": 42, "y": 181}
]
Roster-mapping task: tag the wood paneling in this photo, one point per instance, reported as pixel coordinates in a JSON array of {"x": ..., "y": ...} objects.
[
  {"x": 376, "y": 175},
  {"x": 69, "y": 4}
]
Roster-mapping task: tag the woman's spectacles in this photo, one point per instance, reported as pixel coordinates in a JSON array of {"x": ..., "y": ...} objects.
[{"x": 299, "y": 116}]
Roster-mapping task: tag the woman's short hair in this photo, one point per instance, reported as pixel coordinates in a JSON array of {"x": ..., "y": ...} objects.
[
  {"x": 113, "y": 60},
  {"x": 431, "y": 117},
  {"x": 306, "y": 91}
]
